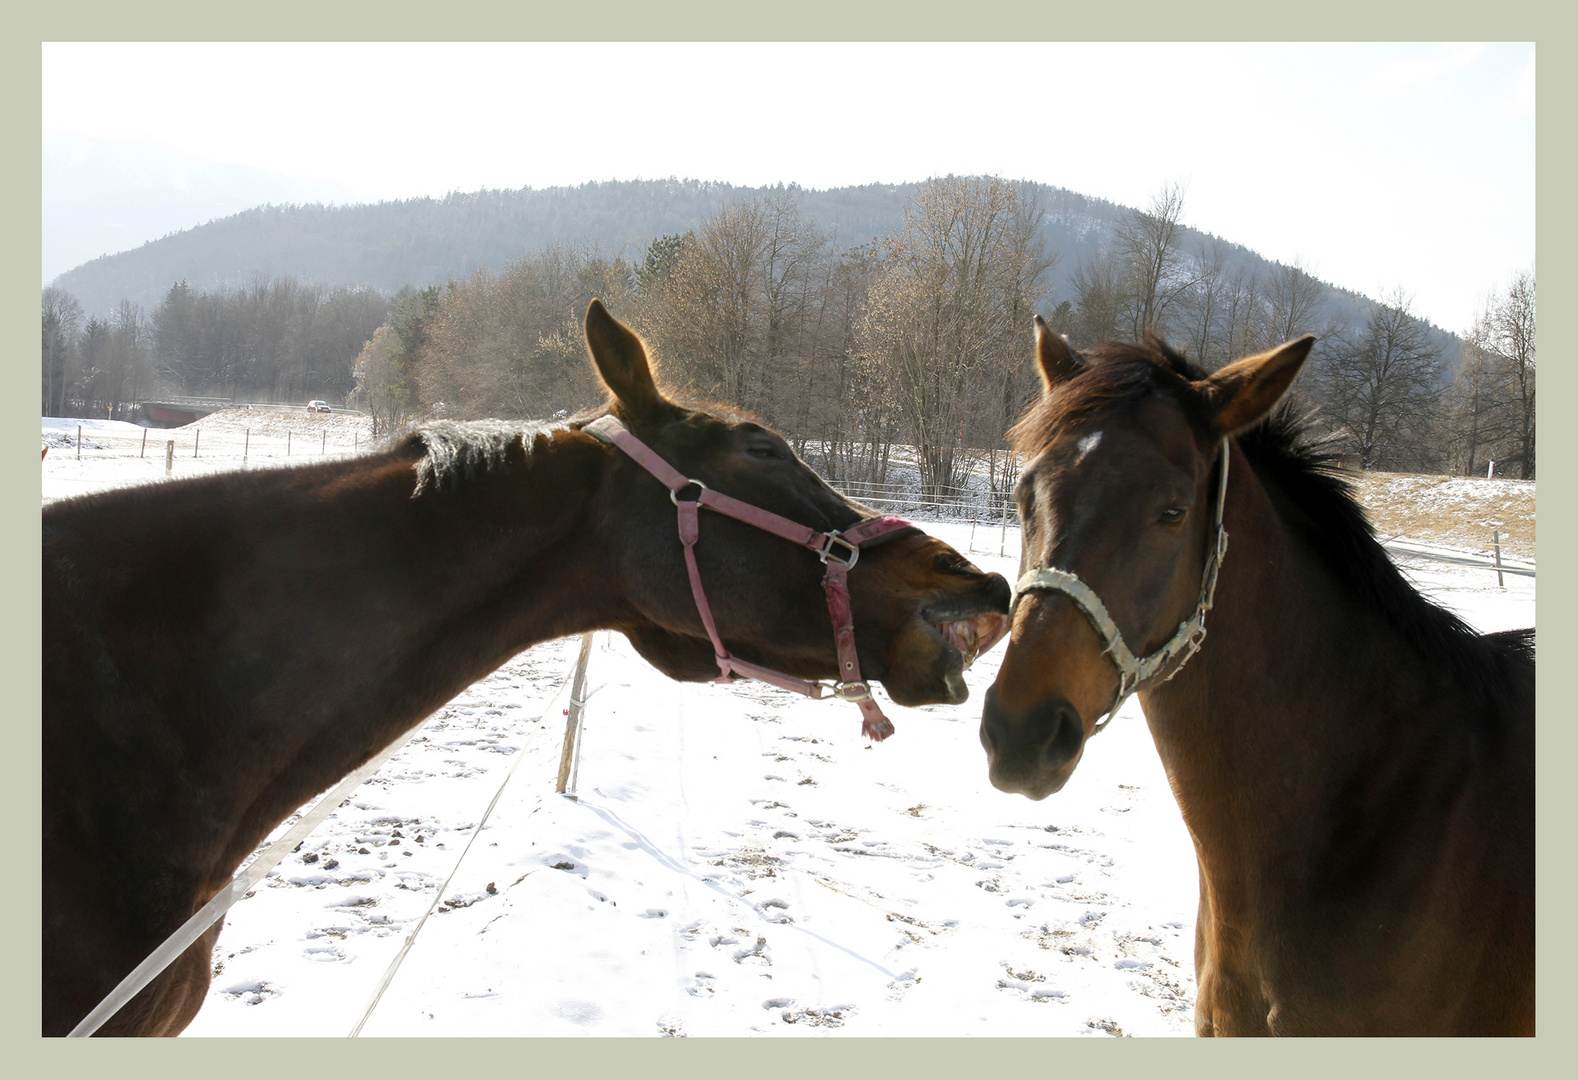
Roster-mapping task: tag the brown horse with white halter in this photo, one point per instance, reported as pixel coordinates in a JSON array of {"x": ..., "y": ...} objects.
[
  {"x": 1355, "y": 765},
  {"x": 219, "y": 650}
]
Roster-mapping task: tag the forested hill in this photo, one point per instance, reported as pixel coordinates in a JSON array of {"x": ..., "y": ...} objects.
[{"x": 419, "y": 242}]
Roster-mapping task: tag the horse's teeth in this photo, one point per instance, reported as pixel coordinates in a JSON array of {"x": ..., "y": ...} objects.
[{"x": 962, "y": 636}]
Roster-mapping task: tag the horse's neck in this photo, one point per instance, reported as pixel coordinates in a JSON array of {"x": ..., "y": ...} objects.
[
  {"x": 1274, "y": 707},
  {"x": 440, "y": 590}
]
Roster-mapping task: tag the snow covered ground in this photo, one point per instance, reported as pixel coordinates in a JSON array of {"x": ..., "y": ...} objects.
[{"x": 734, "y": 861}]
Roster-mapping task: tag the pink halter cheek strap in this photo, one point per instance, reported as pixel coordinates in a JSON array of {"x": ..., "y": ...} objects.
[{"x": 839, "y": 551}]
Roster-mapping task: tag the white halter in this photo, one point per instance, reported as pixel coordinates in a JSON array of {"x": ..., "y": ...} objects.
[{"x": 1185, "y": 643}]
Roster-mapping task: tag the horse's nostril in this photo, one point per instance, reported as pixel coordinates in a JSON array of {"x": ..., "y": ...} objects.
[{"x": 1067, "y": 735}]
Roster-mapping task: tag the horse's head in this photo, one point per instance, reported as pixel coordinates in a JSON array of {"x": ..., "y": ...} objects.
[
  {"x": 922, "y": 612},
  {"x": 1119, "y": 501}
]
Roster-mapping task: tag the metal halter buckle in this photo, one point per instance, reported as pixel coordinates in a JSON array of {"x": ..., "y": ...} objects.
[{"x": 826, "y": 551}]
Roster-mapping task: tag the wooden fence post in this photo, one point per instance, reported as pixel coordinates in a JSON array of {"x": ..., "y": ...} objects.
[
  {"x": 144, "y": 451},
  {"x": 572, "y": 725},
  {"x": 79, "y": 442},
  {"x": 196, "y": 437},
  {"x": 1495, "y": 536},
  {"x": 169, "y": 457}
]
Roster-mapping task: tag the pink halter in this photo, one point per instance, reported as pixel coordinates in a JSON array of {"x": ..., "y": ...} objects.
[{"x": 839, "y": 551}]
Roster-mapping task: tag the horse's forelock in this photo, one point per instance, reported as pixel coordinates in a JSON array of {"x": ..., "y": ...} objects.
[{"x": 1110, "y": 372}]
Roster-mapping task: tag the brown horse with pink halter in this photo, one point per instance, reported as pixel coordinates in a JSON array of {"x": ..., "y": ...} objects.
[
  {"x": 835, "y": 582},
  {"x": 217, "y": 651}
]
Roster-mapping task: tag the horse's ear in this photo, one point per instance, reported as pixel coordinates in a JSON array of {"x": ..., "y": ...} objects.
[
  {"x": 1247, "y": 389},
  {"x": 1056, "y": 360},
  {"x": 621, "y": 361}
]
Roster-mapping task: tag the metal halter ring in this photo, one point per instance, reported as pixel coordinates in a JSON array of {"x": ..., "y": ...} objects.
[
  {"x": 852, "y": 691},
  {"x": 673, "y": 495},
  {"x": 827, "y": 550}
]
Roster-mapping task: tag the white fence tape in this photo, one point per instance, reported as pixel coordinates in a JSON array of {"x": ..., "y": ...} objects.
[{"x": 245, "y": 880}]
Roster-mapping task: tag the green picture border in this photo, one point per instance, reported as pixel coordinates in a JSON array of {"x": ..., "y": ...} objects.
[{"x": 804, "y": 20}]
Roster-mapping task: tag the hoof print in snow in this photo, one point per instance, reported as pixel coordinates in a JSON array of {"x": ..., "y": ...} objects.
[
  {"x": 330, "y": 864},
  {"x": 780, "y": 915},
  {"x": 756, "y": 952},
  {"x": 832, "y": 1017},
  {"x": 250, "y": 993},
  {"x": 1110, "y": 1027},
  {"x": 310, "y": 857}
]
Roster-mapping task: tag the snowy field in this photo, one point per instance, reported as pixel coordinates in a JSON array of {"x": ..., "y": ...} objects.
[{"x": 734, "y": 861}]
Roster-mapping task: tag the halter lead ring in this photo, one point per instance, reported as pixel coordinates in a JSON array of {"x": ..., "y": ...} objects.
[
  {"x": 851, "y": 687},
  {"x": 1133, "y": 672}
]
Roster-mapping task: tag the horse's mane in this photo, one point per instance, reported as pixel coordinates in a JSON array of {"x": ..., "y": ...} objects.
[
  {"x": 448, "y": 452},
  {"x": 452, "y": 450},
  {"x": 1313, "y": 496}
]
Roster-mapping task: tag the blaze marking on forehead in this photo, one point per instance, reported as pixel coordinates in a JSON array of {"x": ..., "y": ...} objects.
[{"x": 1087, "y": 444}]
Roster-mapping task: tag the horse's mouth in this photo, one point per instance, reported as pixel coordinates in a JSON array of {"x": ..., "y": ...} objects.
[{"x": 973, "y": 635}]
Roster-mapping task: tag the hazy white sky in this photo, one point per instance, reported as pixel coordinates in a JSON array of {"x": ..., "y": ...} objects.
[{"x": 1378, "y": 166}]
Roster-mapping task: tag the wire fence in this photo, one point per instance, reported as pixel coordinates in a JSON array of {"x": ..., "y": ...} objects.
[
  {"x": 232, "y": 447},
  {"x": 946, "y": 503}
]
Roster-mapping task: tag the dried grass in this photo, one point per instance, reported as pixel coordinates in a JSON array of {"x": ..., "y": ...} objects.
[{"x": 1454, "y": 511}]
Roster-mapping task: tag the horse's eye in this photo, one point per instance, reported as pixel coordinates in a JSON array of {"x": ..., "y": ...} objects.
[
  {"x": 766, "y": 451},
  {"x": 1174, "y": 514}
]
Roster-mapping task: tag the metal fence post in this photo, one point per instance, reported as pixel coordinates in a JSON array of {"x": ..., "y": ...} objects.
[
  {"x": 79, "y": 442},
  {"x": 144, "y": 451},
  {"x": 1495, "y": 536},
  {"x": 169, "y": 457}
]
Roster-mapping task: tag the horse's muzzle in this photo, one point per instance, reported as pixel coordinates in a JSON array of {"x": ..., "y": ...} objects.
[{"x": 1034, "y": 753}]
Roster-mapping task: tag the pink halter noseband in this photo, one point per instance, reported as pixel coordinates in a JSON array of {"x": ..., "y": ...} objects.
[{"x": 838, "y": 550}]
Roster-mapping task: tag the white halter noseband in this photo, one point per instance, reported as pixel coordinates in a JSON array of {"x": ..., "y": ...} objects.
[{"x": 1133, "y": 672}]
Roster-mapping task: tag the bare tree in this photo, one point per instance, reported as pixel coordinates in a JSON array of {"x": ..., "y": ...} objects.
[
  {"x": 729, "y": 312},
  {"x": 949, "y": 310},
  {"x": 1477, "y": 414},
  {"x": 1293, "y": 295},
  {"x": 1148, "y": 243},
  {"x": 1512, "y": 318},
  {"x": 62, "y": 320},
  {"x": 1100, "y": 299},
  {"x": 509, "y": 344},
  {"x": 1203, "y": 309},
  {"x": 1379, "y": 386}
]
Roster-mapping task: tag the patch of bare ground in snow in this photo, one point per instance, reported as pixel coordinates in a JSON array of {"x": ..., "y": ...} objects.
[{"x": 1451, "y": 511}]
